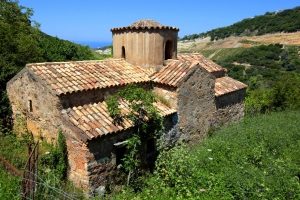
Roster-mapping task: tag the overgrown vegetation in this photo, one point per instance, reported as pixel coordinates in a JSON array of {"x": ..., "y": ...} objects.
[
  {"x": 271, "y": 72},
  {"x": 271, "y": 22},
  {"x": 57, "y": 159},
  {"x": 52, "y": 165},
  {"x": 255, "y": 159},
  {"x": 266, "y": 60},
  {"x": 146, "y": 118}
]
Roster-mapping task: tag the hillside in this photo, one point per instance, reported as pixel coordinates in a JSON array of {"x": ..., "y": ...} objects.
[
  {"x": 273, "y": 27},
  {"x": 197, "y": 45},
  {"x": 287, "y": 21}
]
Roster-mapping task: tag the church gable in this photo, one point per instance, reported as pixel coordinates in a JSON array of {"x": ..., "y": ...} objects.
[
  {"x": 173, "y": 73},
  {"x": 205, "y": 63}
]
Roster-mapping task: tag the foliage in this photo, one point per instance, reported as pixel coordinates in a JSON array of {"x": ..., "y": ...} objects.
[
  {"x": 14, "y": 149},
  {"x": 256, "y": 159},
  {"x": 144, "y": 116},
  {"x": 18, "y": 45},
  {"x": 283, "y": 94},
  {"x": 54, "y": 49},
  {"x": 284, "y": 21},
  {"x": 270, "y": 71},
  {"x": 131, "y": 161},
  {"x": 265, "y": 60},
  {"x": 142, "y": 109},
  {"x": 52, "y": 187},
  {"x": 9, "y": 185},
  {"x": 57, "y": 159},
  {"x": 22, "y": 42},
  {"x": 245, "y": 41},
  {"x": 286, "y": 91},
  {"x": 258, "y": 101}
]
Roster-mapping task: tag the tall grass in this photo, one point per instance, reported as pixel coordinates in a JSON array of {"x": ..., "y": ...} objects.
[{"x": 256, "y": 159}]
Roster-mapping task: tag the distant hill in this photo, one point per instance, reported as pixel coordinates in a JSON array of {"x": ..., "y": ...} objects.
[
  {"x": 287, "y": 21},
  {"x": 200, "y": 44},
  {"x": 263, "y": 52}
]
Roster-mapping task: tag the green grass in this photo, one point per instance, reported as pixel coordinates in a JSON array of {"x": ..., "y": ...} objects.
[
  {"x": 256, "y": 159},
  {"x": 14, "y": 152},
  {"x": 245, "y": 41},
  {"x": 9, "y": 185},
  {"x": 207, "y": 53},
  {"x": 225, "y": 53}
]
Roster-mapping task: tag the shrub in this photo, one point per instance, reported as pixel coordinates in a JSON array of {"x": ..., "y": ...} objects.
[{"x": 255, "y": 159}]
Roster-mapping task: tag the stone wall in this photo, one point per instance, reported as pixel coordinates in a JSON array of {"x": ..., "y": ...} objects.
[
  {"x": 103, "y": 158},
  {"x": 28, "y": 96},
  {"x": 196, "y": 104},
  {"x": 167, "y": 92},
  {"x": 144, "y": 47},
  {"x": 230, "y": 99},
  {"x": 230, "y": 107}
]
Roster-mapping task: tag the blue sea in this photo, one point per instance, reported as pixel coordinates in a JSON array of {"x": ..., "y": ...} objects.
[{"x": 94, "y": 44}]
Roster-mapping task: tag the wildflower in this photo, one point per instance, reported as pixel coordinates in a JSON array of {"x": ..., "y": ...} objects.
[
  {"x": 209, "y": 149},
  {"x": 210, "y": 158}
]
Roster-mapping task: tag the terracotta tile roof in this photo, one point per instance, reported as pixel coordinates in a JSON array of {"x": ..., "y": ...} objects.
[
  {"x": 227, "y": 85},
  {"x": 94, "y": 119},
  {"x": 173, "y": 73},
  {"x": 207, "y": 64},
  {"x": 145, "y": 24},
  {"x": 68, "y": 77}
]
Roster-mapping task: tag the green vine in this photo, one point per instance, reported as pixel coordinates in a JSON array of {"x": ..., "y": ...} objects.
[
  {"x": 144, "y": 115},
  {"x": 143, "y": 112}
]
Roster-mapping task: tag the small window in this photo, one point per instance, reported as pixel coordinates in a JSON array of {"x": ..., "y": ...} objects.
[
  {"x": 123, "y": 52},
  {"x": 168, "y": 50},
  {"x": 29, "y": 106}
]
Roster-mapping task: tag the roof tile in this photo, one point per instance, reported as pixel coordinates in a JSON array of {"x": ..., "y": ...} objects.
[
  {"x": 88, "y": 74},
  {"x": 172, "y": 73},
  {"x": 227, "y": 85},
  {"x": 95, "y": 118}
]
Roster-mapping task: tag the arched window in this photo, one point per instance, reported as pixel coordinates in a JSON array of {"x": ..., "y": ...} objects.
[
  {"x": 123, "y": 52},
  {"x": 168, "y": 49}
]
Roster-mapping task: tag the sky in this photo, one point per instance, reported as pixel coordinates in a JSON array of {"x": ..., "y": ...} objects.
[{"x": 83, "y": 21}]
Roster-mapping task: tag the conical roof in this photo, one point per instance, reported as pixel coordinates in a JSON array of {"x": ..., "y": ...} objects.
[{"x": 145, "y": 24}]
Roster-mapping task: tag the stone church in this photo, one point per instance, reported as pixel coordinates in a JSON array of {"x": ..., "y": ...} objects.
[{"x": 70, "y": 97}]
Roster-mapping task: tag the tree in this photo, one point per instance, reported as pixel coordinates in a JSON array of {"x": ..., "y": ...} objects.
[
  {"x": 22, "y": 42},
  {"x": 286, "y": 91},
  {"x": 18, "y": 45}
]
